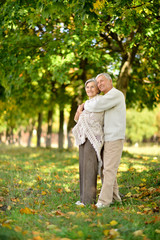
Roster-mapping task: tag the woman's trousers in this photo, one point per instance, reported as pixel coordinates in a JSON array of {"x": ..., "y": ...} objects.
[{"x": 88, "y": 167}]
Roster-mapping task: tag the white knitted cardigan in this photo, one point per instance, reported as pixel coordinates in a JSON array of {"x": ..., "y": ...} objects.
[{"x": 90, "y": 125}]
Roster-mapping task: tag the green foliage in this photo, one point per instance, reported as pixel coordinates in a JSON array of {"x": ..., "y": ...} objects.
[
  {"x": 140, "y": 125},
  {"x": 45, "y": 44},
  {"x": 128, "y": 31}
]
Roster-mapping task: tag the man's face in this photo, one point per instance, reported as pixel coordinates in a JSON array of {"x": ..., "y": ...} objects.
[{"x": 104, "y": 84}]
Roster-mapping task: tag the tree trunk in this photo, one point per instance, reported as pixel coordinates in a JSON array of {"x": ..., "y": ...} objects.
[
  {"x": 125, "y": 71},
  {"x": 74, "y": 104},
  {"x": 49, "y": 131},
  {"x": 8, "y": 135},
  {"x": 1, "y": 137},
  {"x": 30, "y": 137},
  {"x": 123, "y": 78},
  {"x": 19, "y": 137},
  {"x": 39, "y": 129},
  {"x": 31, "y": 127},
  {"x": 12, "y": 136},
  {"x": 61, "y": 131},
  {"x": 71, "y": 123}
]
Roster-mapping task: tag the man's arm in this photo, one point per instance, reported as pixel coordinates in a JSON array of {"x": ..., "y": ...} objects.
[{"x": 103, "y": 103}]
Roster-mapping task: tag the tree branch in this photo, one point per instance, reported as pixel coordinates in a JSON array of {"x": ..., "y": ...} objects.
[{"x": 110, "y": 43}]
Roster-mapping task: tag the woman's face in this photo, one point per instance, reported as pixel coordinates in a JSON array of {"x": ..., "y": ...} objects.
[{"x": 91, "y": 89}]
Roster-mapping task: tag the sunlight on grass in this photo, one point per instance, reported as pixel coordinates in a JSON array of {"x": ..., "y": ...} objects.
[
  {"x": 123, "y": 167},
  {"x": 146, "y": 150}
]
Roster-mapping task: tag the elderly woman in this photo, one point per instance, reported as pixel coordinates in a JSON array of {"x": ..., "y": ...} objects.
[{"x": 88, "y": 133}]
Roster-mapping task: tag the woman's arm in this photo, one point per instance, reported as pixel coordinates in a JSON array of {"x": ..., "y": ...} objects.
[{"x": 78, "y": 112}]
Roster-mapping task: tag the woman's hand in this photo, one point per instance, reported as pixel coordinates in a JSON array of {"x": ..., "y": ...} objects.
[
  {"x": 79, "y": 111},
  {"x": 80, "y": 107}
]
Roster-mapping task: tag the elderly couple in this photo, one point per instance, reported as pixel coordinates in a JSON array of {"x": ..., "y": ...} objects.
[{"x": 101, "y": 122}]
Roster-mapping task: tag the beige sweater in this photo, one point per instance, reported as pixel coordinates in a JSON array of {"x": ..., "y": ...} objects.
[{"x": 113, "y": 103}]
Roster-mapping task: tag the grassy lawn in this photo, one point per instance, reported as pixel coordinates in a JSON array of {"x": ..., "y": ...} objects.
[{"x": 39, "y": 188}]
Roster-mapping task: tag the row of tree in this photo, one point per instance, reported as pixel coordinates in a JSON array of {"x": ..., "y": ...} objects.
[{"x": 49, "y": 48}]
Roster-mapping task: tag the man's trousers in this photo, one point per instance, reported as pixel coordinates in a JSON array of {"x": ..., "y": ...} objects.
[{"x": 111, "y": 160}]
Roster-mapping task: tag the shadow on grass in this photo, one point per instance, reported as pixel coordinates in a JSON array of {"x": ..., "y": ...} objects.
[{"x": 8, "y": 234}]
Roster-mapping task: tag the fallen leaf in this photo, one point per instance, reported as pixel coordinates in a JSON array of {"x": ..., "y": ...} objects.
[
  {"x": 51, "y": 226},
  {"x": 15, "y": 200},
  {"x": 138, "y": 233},
  {"x": 35, "y": 233},
  {"x": 48, "y": 185},
  {"x": 156, "y": 209},
  {"x": 18, "y": 229},
  {"x": 142, "y": 184},
  {"x": 144, "y": 180},
  {"x": 20, "y": 75},
  {"x": 106, "y": 232},
  {"x": 92, "y": 225},
  {"x": 59, "y": 206},
  {"x": 9, "y": 208},
  {"x": 88, "y": 220},
  {"x": 65, "y": 238},
  {"x": 25, "y": 232},
  {"x": 145, "y": 238},
  {"x": 99, "y": 214},
  {"x": 93, "y": 206},
  {"x": 59, "y": 190},
  {"x": 80, "y": 233},
  {"x": 113, "y": 223},
  {"x": 39, "y": 178},
  {"x": 27, "y": 210},
  {"x": 131, "y": 169},
  {"x": 114, "y": 233},
  {"x": 44, "y": 193},
  {"x": 56, "y": 176},
  {"x": 152, "y": 189},
  {"x": 37, "y": 238},
  {"x": 58, "y": 212},
  {"x": 140, "y": 213},
  {"x": 75, "y": 226},
  {"x": 156, "y": 218},
  {"x": 81, "y": 214},
  {"x": 6, "y": 225},
  {"x": 128, "y": 194},
  {"x": 158, "y": 190},
  {"x": 71, "y": 213},
  {"x": 1, "y": 199},
  {"x": 147, "y": 209},
  {"x": 67, "y": 190}
]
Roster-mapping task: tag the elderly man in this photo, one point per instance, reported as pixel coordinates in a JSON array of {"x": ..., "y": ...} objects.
[{"x": 113, "y": 103}]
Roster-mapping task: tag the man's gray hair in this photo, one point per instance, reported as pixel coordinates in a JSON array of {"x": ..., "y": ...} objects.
[{"x": 106, "y": 76}]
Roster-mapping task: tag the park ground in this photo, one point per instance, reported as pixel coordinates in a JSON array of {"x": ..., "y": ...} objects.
[{"x": 39, "y": 188}]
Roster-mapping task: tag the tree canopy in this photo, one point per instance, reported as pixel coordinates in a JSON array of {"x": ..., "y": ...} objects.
[{"x": 45, "y": 44}]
